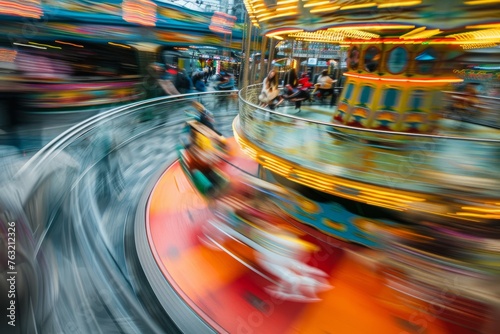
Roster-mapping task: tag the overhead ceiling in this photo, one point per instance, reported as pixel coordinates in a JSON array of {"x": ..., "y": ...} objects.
[{"x": 469, "y": 23}]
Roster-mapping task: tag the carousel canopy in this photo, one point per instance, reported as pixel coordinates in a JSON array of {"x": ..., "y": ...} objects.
[{"x": 469, "y": 23}]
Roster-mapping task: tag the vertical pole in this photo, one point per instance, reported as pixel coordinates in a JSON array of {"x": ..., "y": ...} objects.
[
  {"x": 247, "y": 51},
  {"x": 263, "y": 58},
  {"x": 272, "y": 46}
]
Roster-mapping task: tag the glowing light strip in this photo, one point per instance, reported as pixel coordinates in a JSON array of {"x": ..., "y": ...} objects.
[
  {"x": 477, "y": 35},
  {"x": 315, "y": 4},
  {"x": 414, "y": 31},
  {"x": 46, "y": 45},
  {"x": 480, "y": 2},
  {"x": 278, "y": 15},
  {"x": 361, "y": 5},
  {"x": 385, "y": 195},
  {"x": 324, "y": 9},
  {"x": 399, "y": 4},
  {"x": 447, "y": 80},
  {"x": 481, "y": 45},
  {"x": 386, "y": 201},
  {"x": 287, "y": 31},
  {"x": 72, "y": 44},
  {"x": 379, "y": 27},
  {"x": 472, "y": 208},
  {"x": 309, "y": 176},
  {"x": 326, "y": 184},
  {"x": 264, "y": 15},
  {"x": 284, "y": 167},
  {"x": 330, "y": 184},
  {"x": 477, "y": 215},
  {"x": 281, "y": 9},
  {"x": 321, "y": 40},
  {"x": 374, "y": 78},
  {"x": 484, "y": 26},
  {"x": 120, "y": 45},
  {"x": 352, "y": 33},
  {"x": 424, "y": 34},
  {"x": 384, "y": 206},
  {"x": 286, "y": 2},
  {"x": 334, "y": 35},
  {"x": 31, "y": 46}
]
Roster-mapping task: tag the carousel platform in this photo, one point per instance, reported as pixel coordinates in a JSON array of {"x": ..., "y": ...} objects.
[{"x": 226, "y": 288}]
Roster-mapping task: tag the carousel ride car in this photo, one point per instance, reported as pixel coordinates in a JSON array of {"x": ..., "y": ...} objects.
[{"x": 245, "y": 211}]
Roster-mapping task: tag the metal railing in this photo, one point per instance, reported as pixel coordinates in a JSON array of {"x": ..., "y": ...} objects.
[
  {"x": 479, "y": 109},
  {"x": 458, "y": 159},
  {"x": 75, "y": 204}
]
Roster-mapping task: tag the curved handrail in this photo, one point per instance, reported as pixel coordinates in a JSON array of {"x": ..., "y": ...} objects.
[
  {"x": 419, "y": 162},
  {"x": 79, "y": 128},
  {"x": 356, "y": 129},
  {"x": 86, "y": 167}
]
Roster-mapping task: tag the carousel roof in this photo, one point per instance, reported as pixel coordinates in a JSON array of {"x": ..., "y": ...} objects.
[{"x": 469, "y": 23}]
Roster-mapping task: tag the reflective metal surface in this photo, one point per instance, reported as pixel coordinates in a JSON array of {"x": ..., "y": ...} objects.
[{"x": 459, "y": 157}]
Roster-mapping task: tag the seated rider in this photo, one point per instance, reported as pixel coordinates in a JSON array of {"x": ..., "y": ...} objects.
[
  {"x": 205, "y": 117},
  {"x": 270, "y": 91},
  {"x": 304, "y": 82},
  {"x": 324, "y": 85},
  {"x": 296, "y": 95}
]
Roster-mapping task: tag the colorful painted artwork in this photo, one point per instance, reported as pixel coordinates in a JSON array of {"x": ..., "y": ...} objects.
[
  {"x": 399, "y": 94},
  {"x": 398, "y": 60},
  {"x": 385, "y": 120}
]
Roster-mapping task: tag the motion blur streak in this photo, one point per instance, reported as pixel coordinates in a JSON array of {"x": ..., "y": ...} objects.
[{"x": 74, "y": 205}]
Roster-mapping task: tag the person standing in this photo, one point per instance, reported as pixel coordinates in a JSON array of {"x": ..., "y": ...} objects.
[{"x": 210, "y": 63}]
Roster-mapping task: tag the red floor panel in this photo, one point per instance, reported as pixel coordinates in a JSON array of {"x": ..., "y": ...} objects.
[{"x": 233, "y": 298}]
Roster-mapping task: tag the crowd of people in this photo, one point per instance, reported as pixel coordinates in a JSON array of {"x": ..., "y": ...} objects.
[
  {"x": 296, "y": 89},
  {"x": 172, "y": 80}
]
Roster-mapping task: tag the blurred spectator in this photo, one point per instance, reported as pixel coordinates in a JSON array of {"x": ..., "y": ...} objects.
[
  {"x": 465, "y": 104},
  {"x": 227, "y": 82},
  {"x": 205, "y": 117},
  {"x": 170, "y": 72},
  {"x": 206, "y": 73},
  {"x": 210, "y": 64},
  {"x": 183, "y": 82},
  {"x": 296, "y": 95},
  {"x": 198, "y": 81}
]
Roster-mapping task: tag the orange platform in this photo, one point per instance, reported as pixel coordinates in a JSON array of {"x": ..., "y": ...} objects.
[{"x": 232, "y": 298}]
